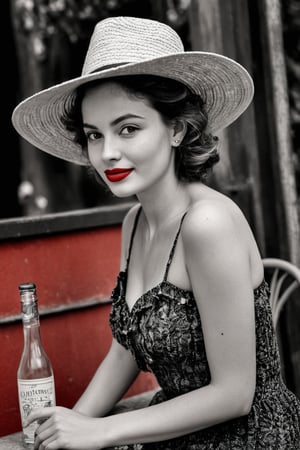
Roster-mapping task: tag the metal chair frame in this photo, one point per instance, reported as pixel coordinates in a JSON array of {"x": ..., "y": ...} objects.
[{"x": 285, "y": 279}]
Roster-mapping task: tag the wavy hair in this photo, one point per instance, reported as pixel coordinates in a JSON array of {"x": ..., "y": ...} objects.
[{"x": 177, "y": 105}]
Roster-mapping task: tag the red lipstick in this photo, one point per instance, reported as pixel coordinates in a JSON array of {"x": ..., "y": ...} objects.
[{"x": 117, "y": 174}]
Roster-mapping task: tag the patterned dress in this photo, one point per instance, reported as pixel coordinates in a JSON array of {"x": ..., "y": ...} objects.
[{"x": 163, "y": 331}]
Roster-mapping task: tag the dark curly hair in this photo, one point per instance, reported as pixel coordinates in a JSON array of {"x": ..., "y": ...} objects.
[{"x": 197, "y": 153}]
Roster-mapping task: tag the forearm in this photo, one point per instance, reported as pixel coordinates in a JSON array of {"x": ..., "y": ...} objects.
[
  {"x": 182, "y": 415},
  {"x": 108, "y": 385}
]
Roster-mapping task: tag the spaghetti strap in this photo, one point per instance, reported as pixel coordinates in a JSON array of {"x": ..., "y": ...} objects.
[
  {"x": 132, "y": 236},
  {"x": 173, "y": 249}
]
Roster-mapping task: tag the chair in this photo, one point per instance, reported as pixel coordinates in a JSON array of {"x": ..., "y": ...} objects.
[{"x": 284, "y": 279}]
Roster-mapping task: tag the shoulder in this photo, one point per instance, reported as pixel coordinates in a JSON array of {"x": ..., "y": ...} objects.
[
  {"x": 217, "y": 252},
  {"x": 211, "y": 218},
  {"x": 215, "y": 233}
]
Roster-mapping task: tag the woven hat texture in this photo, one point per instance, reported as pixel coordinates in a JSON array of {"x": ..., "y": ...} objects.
[{"x": 132, "y": 46}]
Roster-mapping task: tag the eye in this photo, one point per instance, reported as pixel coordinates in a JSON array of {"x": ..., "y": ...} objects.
[
  {"x": 129, "y": 130},
  {"x": 93, "y": 136}
]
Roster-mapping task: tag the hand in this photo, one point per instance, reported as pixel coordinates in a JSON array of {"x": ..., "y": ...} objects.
[{"x": 63, "y": 428}]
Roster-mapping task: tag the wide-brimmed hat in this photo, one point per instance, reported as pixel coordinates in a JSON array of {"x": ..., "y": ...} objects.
[{"x": 134, "y": 46}]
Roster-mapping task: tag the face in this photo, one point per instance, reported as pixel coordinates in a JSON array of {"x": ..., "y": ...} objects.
[{"x": 129, "y": 145}]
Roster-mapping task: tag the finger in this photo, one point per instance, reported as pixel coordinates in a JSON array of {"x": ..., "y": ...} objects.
[
  {"x": 41, "y": 437},
  {"x": 49, "y": 444},
  {"x": 43, "y": 424},
  {"x": 38, "y": 414}
]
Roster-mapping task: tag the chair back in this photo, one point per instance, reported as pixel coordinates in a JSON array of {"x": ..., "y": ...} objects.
[{"x": 284, "y": 279}]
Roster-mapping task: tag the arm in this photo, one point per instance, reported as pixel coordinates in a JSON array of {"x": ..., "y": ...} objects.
[{"x": 111, "y": 380}]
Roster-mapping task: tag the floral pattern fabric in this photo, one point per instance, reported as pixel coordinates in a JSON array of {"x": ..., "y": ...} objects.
[{"x": 163, "y": 331}]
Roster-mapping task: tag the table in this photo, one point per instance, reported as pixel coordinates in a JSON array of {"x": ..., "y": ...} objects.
[{"x": 12, "y": 442}]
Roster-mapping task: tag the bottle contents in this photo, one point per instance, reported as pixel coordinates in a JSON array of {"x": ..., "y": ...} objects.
[{"x": 35, "y": 378}]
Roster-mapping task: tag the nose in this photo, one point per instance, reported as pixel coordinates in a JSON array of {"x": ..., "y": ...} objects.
[{"x": 110, "y": 150}]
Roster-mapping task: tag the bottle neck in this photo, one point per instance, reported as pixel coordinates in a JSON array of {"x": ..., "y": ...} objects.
[
  {"x": 30, "y": 318},
  {"x": 34, "y": 362},
  {"x": 33, "y": 351}
]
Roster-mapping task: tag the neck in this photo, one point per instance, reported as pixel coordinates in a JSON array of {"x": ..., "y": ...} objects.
[{"x": 164, "y": 207}]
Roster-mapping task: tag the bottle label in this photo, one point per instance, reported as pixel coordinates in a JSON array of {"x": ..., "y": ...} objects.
[{"x": 34, "y": 394}]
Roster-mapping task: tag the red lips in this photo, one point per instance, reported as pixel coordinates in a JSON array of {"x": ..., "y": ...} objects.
[{"x": 117, "y": 174}]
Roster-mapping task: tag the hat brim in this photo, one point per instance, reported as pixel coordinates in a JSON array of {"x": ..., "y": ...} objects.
[{"x": 223, "y": 84}]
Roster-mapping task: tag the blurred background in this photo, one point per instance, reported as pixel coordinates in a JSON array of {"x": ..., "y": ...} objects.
[{"x": 260, "y": 153}]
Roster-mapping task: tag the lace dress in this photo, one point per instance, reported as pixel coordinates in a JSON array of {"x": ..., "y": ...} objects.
[{"x": 163, "y": 331}]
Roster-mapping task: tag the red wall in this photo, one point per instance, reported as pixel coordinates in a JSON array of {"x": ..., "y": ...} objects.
[{"x": 67, "y": 269}]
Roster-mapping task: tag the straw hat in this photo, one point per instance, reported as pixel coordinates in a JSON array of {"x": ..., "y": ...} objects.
[{"x": 131, "y": 46}]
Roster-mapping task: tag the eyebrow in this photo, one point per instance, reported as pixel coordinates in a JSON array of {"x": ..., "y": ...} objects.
[{"x": 116, "y": 121}]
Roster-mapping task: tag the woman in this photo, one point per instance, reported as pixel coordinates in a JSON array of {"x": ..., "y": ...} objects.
[{"x": 190, "y": 303}]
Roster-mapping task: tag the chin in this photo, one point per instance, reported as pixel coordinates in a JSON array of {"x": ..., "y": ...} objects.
[{"x": 122, "y": 193}]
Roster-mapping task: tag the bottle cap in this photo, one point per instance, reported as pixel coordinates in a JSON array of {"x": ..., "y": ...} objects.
[{"x": 23, "y": 287}]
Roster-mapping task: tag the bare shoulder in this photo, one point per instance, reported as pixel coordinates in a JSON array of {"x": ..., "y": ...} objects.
[
  {"x": 213, "y": 214},
  {"x": 215, "y": 228}
]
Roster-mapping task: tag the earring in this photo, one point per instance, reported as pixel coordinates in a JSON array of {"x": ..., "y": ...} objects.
[{"x": 177, "y": 141}]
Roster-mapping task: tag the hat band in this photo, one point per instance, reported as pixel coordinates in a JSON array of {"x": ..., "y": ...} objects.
[{"x": 109, "y": 66}]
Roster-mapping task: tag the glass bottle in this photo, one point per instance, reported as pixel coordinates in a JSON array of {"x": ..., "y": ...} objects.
[{"x": 35, "y": 375}]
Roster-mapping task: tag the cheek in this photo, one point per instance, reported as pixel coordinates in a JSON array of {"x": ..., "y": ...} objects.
[
  {"x": 155, "y": 148},
  {"x": 94, "y": 157}
]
